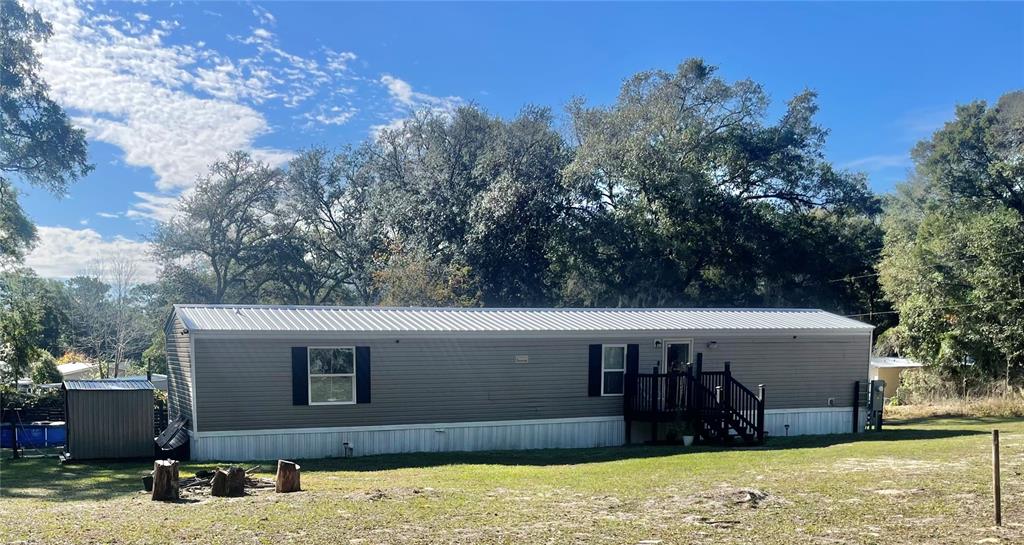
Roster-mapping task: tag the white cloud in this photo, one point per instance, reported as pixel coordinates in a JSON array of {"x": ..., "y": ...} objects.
[
  {"x": 108, "y": 215},
  {"x": 922, "y": 123},
  {"x": 131, "y": 91},
  {"x": 879, "y": 162},
  {"x": 62, "y": 252},
  {"x": 399, "y": 89},
  {"x": 176, "y": 108},
  {"x": 338, "y": 60},
  {"x": 153, "y": 207},
  {"x": 263, "y": 15},
  {"x": 334, "y": 115},
  {"x": 407, "y": 101}
]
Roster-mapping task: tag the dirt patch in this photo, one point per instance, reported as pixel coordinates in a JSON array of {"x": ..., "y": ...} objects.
[
  {"x": 384, "y": 494},
  {"x": 898, "y": 491},
  {"x": 893, "y": 465},
  {"x": 717, "y": 507},
  {"x": 725, "y": 497}
]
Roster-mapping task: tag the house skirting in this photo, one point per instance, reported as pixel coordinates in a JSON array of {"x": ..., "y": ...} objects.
[
  {"x": 585, "y": 432},
  {"x": 368, "y": 440},
  {"x": 812, "y": 421}
]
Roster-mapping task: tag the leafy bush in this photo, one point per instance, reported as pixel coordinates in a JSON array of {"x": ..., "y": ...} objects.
[
  {"x": 41, "y": 398},
  {"x": 44, "y": 368}
]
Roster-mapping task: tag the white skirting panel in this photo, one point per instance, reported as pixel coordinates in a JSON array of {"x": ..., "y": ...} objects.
[
  {"x": 813, "y": 421},
  {"x": 462, "y": 436}
]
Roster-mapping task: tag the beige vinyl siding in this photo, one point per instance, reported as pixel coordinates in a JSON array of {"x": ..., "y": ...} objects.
[
  {"x": 179, "y": 371},
  {"x": 797, "y": 373},
  {"x": 246, "y": 383}
]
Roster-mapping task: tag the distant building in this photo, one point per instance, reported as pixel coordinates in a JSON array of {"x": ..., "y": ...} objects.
[
  {"x": 78, "y": 370},
  {"x": 890, "y": 370}
]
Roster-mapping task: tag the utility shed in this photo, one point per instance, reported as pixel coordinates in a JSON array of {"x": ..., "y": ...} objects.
[{"x": 109, "y": 418}]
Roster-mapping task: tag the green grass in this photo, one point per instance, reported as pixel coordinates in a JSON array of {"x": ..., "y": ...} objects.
[{"x": 917, "y": 482}]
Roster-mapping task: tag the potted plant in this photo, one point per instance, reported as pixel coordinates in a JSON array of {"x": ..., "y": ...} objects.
[{"x": 689, "y": 431}]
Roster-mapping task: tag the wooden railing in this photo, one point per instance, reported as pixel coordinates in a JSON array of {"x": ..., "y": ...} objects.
[
  {"x": 656, "y": 396},
  {"x": 716, "y": 404}
]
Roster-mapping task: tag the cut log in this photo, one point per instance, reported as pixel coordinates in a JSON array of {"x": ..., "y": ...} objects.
[
  {"x": 287, "y": 477},
  {"x": 219, "y": 483},
  {"x": 165, "y": 480},
  {"x": 236, "y": 481}
]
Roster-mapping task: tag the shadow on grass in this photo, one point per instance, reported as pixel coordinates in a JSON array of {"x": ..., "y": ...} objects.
[
  {"x": 891, "y": 434},
  {"x": 46, "y": 479},
  {"x": 953, "y": 420},
  {"x": 553, "y": 457}
]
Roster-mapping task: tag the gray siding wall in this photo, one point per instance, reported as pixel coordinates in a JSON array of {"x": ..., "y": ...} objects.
[
  {"x": 797, "y": 373},
  {"x": 245, "y": 383},
  {"x": 179, "y": 371},
  {"x": 110, "y": 424}
]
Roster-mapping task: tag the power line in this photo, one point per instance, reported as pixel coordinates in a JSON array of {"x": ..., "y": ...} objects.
[
  {"x": 934, "y": 266},
  {"x": 1018, "y": 300}
]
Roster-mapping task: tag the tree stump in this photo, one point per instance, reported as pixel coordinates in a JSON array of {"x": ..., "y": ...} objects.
[
  {"x": 236, "y": 481},
  {"x": 165, "y": 480},
  {"x": 219, "y": 483},
  {"x": 287, "y": 477}
]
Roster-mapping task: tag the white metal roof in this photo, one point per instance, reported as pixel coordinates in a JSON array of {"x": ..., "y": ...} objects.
[
  {"x": 284, "y": 319},
  {"x": 877, "y": 361},
  {"x": 75, "y": 367}
]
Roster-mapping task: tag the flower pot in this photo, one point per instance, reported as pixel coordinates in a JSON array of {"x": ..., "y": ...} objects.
[{"x": 687, "y": 440}]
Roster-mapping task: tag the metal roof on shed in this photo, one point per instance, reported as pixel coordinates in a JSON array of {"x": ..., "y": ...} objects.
[
  {"x": 262, "y": 318},
  {"x": 108, "y": 384}
]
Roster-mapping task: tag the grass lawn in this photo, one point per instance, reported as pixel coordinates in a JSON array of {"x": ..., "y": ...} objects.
[{"x": 918, "y": 482}]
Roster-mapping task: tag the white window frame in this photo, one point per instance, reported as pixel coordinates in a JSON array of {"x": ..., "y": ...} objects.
[
  {"x": 625, "y": 356},
  {"x": 664, "y": 351},
  {"x": 310, "y": 375}
]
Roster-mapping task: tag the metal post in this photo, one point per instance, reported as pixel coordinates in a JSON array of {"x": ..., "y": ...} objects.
[
  {"x": 997, "y": 495},
  {"x": 856, "y": 405},
  {"x": 15, "y": 417},
  {"x": 760, "y": 413}
]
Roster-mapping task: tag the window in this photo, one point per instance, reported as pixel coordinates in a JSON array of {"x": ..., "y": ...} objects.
[
  {"x": 613, "y": 369},
  {"x": 332, "y": 375}
]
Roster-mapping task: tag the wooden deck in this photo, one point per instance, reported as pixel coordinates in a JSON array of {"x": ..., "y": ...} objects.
[{"x": 717, "y": 407}]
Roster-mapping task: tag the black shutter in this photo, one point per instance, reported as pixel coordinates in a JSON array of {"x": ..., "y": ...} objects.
[
  {"x": 362, "y": 374},
  {"x": 300, "y": 375},
  {"x": 594, "y": 383},
  {"x": 632, "y": 360}
]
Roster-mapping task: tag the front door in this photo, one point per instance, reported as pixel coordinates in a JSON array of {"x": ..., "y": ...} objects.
[{"x": 677, "y": 354}]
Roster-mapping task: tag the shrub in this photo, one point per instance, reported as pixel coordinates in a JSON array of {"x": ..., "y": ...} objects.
[{"x": 44, "y": 368}]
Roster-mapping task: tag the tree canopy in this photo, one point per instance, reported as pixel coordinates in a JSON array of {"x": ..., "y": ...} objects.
[
  {"x": 953, "y": 263},
  {"x": 38, "y": 143}
]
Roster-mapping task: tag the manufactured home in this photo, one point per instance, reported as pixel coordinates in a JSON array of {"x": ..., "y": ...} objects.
[{"x": 264, "y": 382}]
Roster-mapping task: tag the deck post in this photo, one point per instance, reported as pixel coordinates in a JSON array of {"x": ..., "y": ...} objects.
[
  {"x": 760, "y": 413},
  {"x": 727, "y": 386},
  {"x": 627, "y": 403},
  {"x": 721, "y": 413},
  {"x": 654, "y": 404}
]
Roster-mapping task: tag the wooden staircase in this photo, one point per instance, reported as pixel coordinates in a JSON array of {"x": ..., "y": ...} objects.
[{"x": 717, "y": 407}]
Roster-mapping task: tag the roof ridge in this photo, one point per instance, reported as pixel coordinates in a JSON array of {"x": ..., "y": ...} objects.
[{"x": 498, "y": 309}]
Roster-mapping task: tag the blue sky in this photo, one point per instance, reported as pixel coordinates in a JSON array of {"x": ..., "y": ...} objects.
[{"x": 165, "y": 88}]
